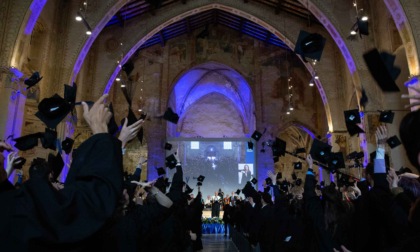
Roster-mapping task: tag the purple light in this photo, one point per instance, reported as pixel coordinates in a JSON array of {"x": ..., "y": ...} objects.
[
  {"x": 320, "y": 174},
  {"x": 412, "y": 82},
  {"x": 15, "y": 117},
  {"x": 308, "y": 131},
  {"x": 36, "y": 9},
  {"x": 331, "y": 177}
]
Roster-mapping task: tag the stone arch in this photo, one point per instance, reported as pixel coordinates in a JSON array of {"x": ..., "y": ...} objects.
[
  {"x": 217, "y": 114},
  {"x": 251, "y": 17},
  {"x": 309, "y": 130},
  {"x": 402, "y": 22},
  {"x": 26, "y": 28},
  {"x": 198, "y": 81}
]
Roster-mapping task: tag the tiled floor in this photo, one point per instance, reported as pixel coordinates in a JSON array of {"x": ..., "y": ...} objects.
[{"x": 217, "y": 243}]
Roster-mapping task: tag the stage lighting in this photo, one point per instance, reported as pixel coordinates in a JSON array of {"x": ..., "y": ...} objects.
[{"x": 88, "y": 32}]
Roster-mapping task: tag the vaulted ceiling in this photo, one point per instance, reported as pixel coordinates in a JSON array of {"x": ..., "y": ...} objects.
[{"x": 212, "y": 17}]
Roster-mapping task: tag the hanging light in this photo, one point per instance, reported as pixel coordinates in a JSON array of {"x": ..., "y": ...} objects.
[
  {"x": 288, "y": 112},
  {"x": 316, "y": 77},
  {"x": 291, "y": 108},
  {"x": 311, "y": 84},
  {"x": 88, "y": 32},
  {"x": 364, "y": 18},
  {"x": 117, "y": 79},
  {"x": 78, "y": 18},
  {"x": 122, "y": 85}
]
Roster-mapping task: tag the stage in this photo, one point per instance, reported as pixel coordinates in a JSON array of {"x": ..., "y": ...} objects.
[{"x": 207, "y": 213}]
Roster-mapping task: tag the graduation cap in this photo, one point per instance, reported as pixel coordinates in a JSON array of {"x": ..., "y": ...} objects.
[
  {"x": 27, "y": 142},
  {"x": 300, "y": 150},
  {"x": 238, "y": 191},
  {"x": 67, "y": 145},
  {"x": 200, "y": 178},
  {"x": 279, "y": 147},
  {"x": 70, "y": 94},
  {"x": 33, "y": 80},
  {"x": 268, "y": 181},
  {"x": 19, "y": 162},
  {"x": 256, "y": 135},
  {"x": 393, "y": 142},
  {"x": 381, "y": 66},
  {"x": 310, "y": 45},
  {"x": 161, "y": 171},
  {"x": 53, "y": 110},
  {"x": 294, "y": 177},
  {"x": 128, "y": 67},
  {"x": 56, "y": 164},
  {"x": 171, "y": 161},
  {"x": 352, "y": 116},
  {"x": 276, "y": 159},
  {"x": 354, "y": 129},
  {"x": 298, "y": 182},
  {"x": 168, "y": 146},
  {"x": 386, "y": 116},
  {"x": 248, "y": 190},
  {"x": 254, "y": 181},
  {"x": 112, "y": 125},
  {"x": 297, "y": 165},
  {"x": 250, "y": 145},
  {"x": 162, "y": 184},
  {"x": 49, "y": 139},
  {"x": 320, "y": 151},
  {"x": 336, "y": 160},
  {"x": 171, "y": 116}
]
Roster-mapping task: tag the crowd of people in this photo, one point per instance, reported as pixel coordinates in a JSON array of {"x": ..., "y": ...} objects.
[
  {"x": 99, "y": 208},
  {"x": 380, "y": 212}
]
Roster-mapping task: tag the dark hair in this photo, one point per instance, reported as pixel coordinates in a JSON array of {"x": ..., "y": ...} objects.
[
  {"x": 333, "y": 208},
  {"x": 411, "y": 187},
  {"x": 39, "y": 168},
  {"x": 410, "y": 136}
]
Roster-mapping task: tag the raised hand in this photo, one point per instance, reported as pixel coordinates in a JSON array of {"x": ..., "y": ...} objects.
[
  {"x": 309, "y": 161},
  {"x": 129, "y": 132},
  {"x": 11, "y": 158},
  {"x": 415, "y": 97},
  {"x": 392, "y": 178},
  {"x": 193, "y": 236},
  {"x": 5, "y": 146},
  {"x": 381, "y": 136},
  {"x": 144, "y": 184},
  {"x": 98, "y": 116},
  {"x": 272, "y": 176}
]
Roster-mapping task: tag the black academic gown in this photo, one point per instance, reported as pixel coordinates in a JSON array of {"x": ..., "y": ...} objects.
[
  {"x": 265, "y": 228},
  {"x": 38, "y": 218}
]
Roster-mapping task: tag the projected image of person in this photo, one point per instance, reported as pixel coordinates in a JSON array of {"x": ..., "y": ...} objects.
[{"x": 245, "y": 173}]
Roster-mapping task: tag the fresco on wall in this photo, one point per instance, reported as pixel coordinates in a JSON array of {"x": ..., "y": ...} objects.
[{"x": 223, "y": 42}]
